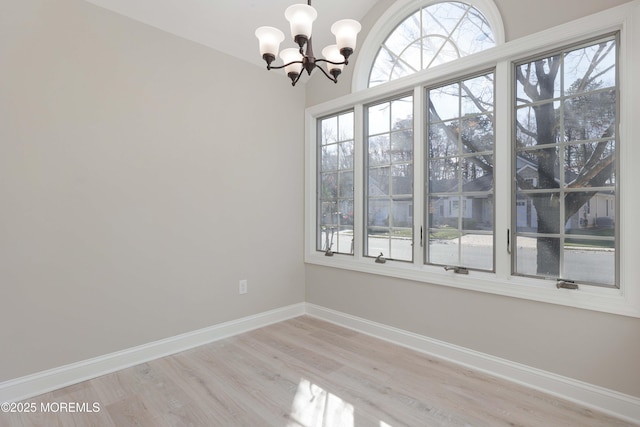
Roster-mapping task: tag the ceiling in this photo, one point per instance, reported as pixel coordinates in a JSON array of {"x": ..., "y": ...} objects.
[{"x": 229, "y": 25}]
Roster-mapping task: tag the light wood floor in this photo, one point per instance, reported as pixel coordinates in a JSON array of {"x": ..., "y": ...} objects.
[{"x": 306, "y": 372}]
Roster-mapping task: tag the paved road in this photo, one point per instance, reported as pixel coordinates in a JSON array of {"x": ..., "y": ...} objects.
[{"x": 580, "y": 264}]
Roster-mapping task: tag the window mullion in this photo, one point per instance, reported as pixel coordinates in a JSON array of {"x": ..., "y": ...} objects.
[
  {"x": 502, "y": 186},
  {"x": 419, "y": 223},
  {"x": 359, "y": 169}
]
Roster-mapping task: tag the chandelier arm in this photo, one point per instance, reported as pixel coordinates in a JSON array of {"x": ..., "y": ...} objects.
[
  {"x": 293, "y": 83},
  {"x": 333, "y": 79},
  {"x": 272, "y": 67},
  {"x": 345, "y": 62}
]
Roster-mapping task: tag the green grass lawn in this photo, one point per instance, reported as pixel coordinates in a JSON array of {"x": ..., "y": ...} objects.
[
  {"x": 444, "y": 233},
  {"x": 598, "y": 232}
]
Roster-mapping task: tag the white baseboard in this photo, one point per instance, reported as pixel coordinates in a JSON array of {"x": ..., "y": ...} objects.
[
  {"x": 609, "y": 401},
  {"x": 45, "y": 381}
]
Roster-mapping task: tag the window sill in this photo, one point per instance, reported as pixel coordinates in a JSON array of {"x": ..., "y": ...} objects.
[{"x": 607, "y": 300}]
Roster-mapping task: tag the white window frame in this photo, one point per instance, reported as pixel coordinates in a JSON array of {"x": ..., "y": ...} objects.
[{"x": 622, "y": 301}]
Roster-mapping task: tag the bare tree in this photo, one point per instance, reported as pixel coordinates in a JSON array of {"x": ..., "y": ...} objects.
[
  {"x": 539, "y": 80},
  {"x": 588, "y": 113}
]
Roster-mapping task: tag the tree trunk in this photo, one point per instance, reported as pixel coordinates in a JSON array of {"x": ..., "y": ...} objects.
[{"x": 547, "y": 204}]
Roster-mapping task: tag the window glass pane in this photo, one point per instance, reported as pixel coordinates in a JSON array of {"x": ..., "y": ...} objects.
[
  {"x": 410, "y": 59},
  {"x": 460, "y": 174},
  {"x": 476, "y": 251},
  {"x": 346, "y": 154},
  {"x": 345, "y": 187},
  {"x": 379, "y": 182},
  {"x": 379, "y": 150},
  {"x": 590, "y": 261},
  {"x": 335, "y": 184},
  {"x": 402, "y": 113},
  {"x": 444, "y": 103},
  {"x": 401, "y": 243},
  {"x": 565, "y": 141},
  {"x": 443, "y": 175},
  {"x": 328, "y": 211},
  {"x": 379, "y": 213},
  {"x": 346, "y": 127},
  {"x": 526, "y": 217},
  {"x": 582, "y": 157},
  {"x": 477, "y": 133},
  {"x": 382, "y": 66},
  {"x": 433, "y": 35},
  {"x": 443, "y": 139},
  {"x": 389, "y": 199},
  {"x": 329, "y": 130},
  {"x": 590, "y": 213},
  {"x": 527, "y": 75},
  {"x": 477, "y": 95},
  {"x": 538, "y": 169},
  {"x": 402, "y": 215},
  {"x": 473, "y": 34},
  {"x": 480, "y": 214},
  {"x": 595, "y": 60},
  {"x": 402, "y": 179},
  {"x": 329, "y": 186},
  {"x": 329, "y": 157},
  {"x": 476, "y": 173},
  {"x": 526, "y": 248},
  {"x": 445, "y": 16},
  {"x": 546, "y": 209},
  {"x": 590, "y": 245},
  {"x": 529, "y": 118},
  {"x": 590, "y": 116},
  {"x": 379, "y": 119},
  {"x": 443, "y": 245},
  {"x": 406, "y": 33},
  {"x": 402, "y": 146}
]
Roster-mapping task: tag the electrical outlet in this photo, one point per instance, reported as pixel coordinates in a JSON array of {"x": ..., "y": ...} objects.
[{"x": 243, "y": 286}]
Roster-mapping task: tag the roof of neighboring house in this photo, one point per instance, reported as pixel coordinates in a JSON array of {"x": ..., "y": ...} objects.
[
  {"x": 402, "y": 185},
  {"x": 484, "y": 183}
]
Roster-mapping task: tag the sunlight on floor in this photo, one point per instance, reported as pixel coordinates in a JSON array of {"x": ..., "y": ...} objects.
[{"x": 315, "y": 407}]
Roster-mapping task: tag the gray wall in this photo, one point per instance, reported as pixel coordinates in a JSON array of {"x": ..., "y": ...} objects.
[
  {"x": 141, "y": 176},
  {"x": 594, "y": 347}
]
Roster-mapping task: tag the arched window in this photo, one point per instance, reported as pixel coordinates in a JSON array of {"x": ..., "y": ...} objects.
[{"x": 433, "y": 34}]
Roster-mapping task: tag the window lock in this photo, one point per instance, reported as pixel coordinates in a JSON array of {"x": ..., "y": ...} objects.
[
  {"x": 566, "y": 284},
  {"x": 457, "y": 270}
]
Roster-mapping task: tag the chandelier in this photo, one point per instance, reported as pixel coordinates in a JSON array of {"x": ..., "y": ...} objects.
[{"x": 301, "y": 17}]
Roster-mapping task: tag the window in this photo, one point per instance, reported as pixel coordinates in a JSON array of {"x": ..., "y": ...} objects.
[
  {"x": 460, "y": 173},
  {"x": 390, "y": 179},
  {"x": 432, "y": 35},
  {"x": 510, "y": 172},
  {"x": 335, "y": 184},
  {"x": 566, "y": 136}
]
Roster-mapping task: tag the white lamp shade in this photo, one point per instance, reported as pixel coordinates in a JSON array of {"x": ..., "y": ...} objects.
[
  {"x": 269, "y": 39},
  {"x": 301, "y": 17},
  {"x": 332, "y": 53},
  {"x": 346, "y": 32},
  {"x": 290, "y": 55}
]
